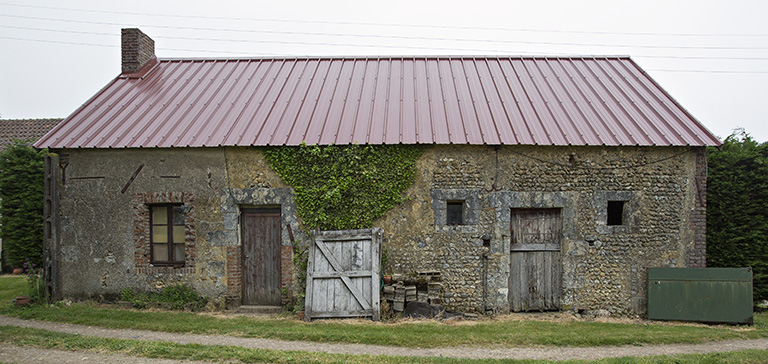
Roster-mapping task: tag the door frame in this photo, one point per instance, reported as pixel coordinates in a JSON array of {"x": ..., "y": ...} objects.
[
  {"x": 264, "y": 209},
  {"x": 547, "y": 254}
]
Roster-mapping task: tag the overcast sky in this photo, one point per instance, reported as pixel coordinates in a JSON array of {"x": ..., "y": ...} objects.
[{"x": 711, "y": 56}]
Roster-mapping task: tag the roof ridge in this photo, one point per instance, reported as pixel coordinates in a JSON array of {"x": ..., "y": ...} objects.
[
  {"x": 424, "y": 57},
  {"x": 33, "y": 119}
]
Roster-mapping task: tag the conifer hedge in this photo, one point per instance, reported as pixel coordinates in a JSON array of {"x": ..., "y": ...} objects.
[
  {"x": 737, "y": 208},
  {"x": 21, "y": 207}
]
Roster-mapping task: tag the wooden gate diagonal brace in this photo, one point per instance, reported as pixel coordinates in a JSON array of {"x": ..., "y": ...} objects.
[{"x": 337, "y": 267}]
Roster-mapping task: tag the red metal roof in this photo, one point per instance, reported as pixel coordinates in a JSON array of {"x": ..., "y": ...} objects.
[{"x": 408, "y": 100}]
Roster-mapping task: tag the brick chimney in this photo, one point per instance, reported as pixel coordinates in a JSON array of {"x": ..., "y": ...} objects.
[{"x": 138, "y": 49}]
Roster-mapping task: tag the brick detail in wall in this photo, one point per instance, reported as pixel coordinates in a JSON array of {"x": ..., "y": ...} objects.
[
  {"x": 141, "y": 203},
  {"x": 137, "y": 49},
  {"x": 234, "y": 272},
  {"x": 235, "y": 275},
  {"x": 698, "y": 219}
]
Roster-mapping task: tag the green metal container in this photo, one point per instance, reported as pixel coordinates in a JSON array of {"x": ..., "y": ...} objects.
[{"x": 722, "y": 295}]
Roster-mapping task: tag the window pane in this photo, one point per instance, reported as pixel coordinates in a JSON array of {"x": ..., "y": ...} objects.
[
  {"x": 160, "y": 234},
  {"x": 454, "y": 212},
  {"x": 615, "y": 213},
  {"x": 178, "y": 217},
  {"x": 178, "y": 234},
  {"x": 178, "y": 252},
  {"x": 160, "y": 252},
  {"x": 159, "y": 215}
]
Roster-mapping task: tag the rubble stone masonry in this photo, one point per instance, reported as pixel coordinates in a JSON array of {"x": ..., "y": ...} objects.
[{"x": 104, "y": 222}]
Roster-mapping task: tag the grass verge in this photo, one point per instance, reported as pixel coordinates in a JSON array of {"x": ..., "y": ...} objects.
[
  {"x": 165, "y": 350},
  {"x": 12, "y": 287},
  {"x": 425, "y": 334}
]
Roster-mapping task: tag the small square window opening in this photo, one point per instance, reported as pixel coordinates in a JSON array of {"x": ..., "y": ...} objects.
[
  {"x": 454, "y": 213},
  {"x": 615, "y": 213}
]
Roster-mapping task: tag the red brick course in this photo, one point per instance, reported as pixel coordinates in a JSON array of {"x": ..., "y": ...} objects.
[
  {"x": 234, "y": 272},
  {"x": 141, "y": 233},
  {"x": 235, "y": 275}
]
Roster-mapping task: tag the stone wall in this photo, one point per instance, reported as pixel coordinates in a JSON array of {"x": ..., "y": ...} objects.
[
  {"x": 104, "y": 200},
  {"x": 603, "y": 265}
]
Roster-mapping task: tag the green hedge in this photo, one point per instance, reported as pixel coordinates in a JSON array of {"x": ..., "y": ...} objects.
[{"x": 21, "y": 209}]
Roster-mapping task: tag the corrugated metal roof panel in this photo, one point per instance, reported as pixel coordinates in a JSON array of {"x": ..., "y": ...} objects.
[{"x": 426, "y": 100}]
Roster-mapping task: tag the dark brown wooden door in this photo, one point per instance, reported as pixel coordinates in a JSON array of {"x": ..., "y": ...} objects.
[
  {"x": 535, "y": 268},
  {"x": 261, "y": 257}
]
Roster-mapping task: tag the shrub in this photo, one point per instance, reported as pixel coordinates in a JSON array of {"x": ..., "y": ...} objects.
[
  {"x": 35, "y": 282},
  {"x": 177, "y": 295}
]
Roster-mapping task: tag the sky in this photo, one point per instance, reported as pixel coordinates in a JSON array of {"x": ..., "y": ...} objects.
[{"x": 711, "y": 56}]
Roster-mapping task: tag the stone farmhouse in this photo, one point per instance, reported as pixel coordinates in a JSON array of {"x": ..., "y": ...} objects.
[{"x": 547, "y": 183}]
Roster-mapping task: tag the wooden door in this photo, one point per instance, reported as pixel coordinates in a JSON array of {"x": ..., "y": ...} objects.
[
  {"x": 261, "y": 257},
  {"x": 343, "y": 274},
  {"x": 535, "y": 269}
]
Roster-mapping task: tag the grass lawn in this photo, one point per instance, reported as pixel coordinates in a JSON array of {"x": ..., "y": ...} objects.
[
  {"x": 167, "y": 350},
  {"x": 425, "y": 334},
  {"x": 494, "y": 332},
  {"x": 12, "y": 287}
]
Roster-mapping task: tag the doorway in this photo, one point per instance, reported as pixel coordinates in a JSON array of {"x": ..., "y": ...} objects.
[
  {"x": 260, "y": 229},
  {"x": 535, "y": 268}
]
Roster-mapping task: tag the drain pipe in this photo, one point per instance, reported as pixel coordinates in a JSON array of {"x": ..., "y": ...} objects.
[
  {"x": 486, "y": 244},
  {"x": 485, "y": 282}
]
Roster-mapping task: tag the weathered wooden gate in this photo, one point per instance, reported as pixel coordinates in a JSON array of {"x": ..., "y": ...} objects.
[
  {"x": 343, "y": 274},
  {"x": 261, "y": 257},
  {"x": 535, "y": 269}
]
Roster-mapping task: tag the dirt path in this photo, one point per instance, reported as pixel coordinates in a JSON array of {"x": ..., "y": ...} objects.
[
  {"x": 550, "y": 353},
  {"x": 29, "y": 355}
]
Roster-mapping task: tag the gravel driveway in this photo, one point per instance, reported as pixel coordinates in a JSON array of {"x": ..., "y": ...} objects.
[{"x": 27, "y": 355}]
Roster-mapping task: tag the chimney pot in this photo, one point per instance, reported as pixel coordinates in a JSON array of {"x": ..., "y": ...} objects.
[{"x": 137, "y": 49}]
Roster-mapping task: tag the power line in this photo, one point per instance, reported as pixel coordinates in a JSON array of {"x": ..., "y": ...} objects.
[
  {"x": 390, "y": 24},
  {"x": 357, "y": 35},
  {"x": 116, "y": 46},
  {"x": 300, "y": 55},
  {"x": 344, "y": 44},
  {"x": 58, "y": 42},
  {"x": 398, "y": 37}
]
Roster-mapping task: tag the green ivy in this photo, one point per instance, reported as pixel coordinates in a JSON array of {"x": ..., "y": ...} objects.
[{"x": 345, "y": 187}]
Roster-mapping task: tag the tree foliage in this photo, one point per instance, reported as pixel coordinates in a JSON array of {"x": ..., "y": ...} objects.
[
  {"x": 21, "y": 208},
  {"x": 345, "y": 187},
  {"x": 737, "y": 207}
]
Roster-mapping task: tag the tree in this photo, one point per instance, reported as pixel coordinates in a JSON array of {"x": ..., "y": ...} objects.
[
  {"x": 21, "y": 207},
  {"x": 737, "y": 207}
]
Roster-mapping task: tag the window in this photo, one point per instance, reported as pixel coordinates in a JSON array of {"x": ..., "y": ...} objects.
[
  {"x": 167, "y": 235},
  {"x": 615, "y": 213},
  {"x": 454, "y": 213},
  {"x": 455, "y": 210}
]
